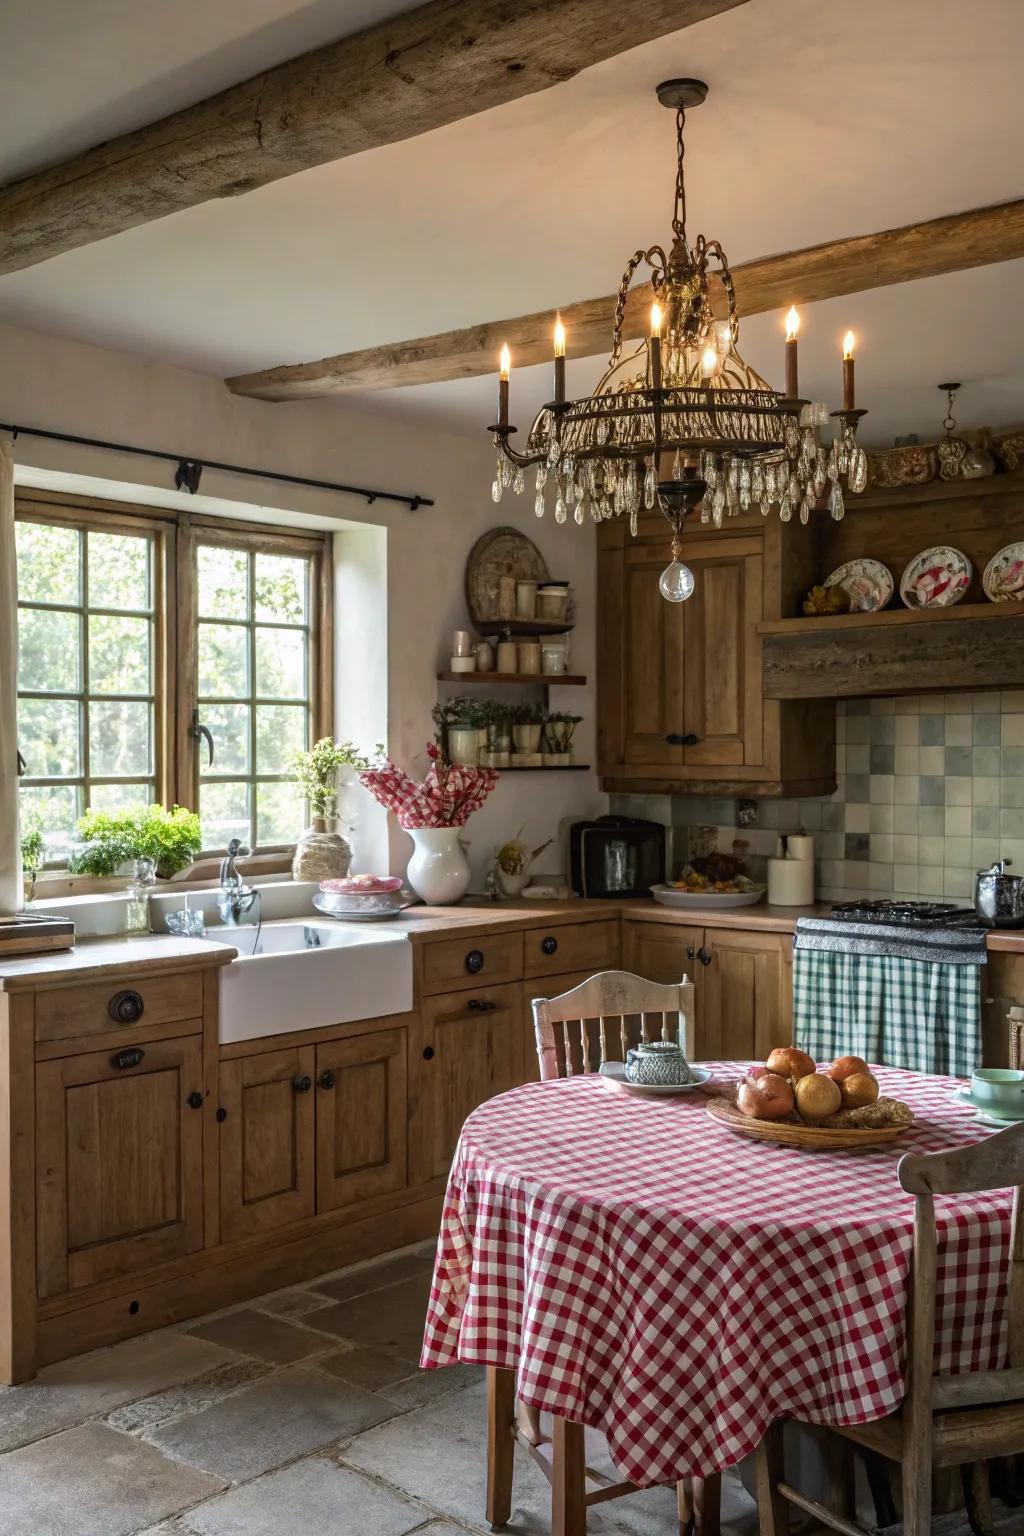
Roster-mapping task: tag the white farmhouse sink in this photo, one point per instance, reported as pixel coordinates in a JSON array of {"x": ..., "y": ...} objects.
[{"x": 305, "y": 975}]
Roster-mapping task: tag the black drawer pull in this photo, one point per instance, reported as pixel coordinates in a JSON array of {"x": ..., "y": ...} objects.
[
  {"x": 125, "y": 1007},
  {"x": 703, "y": 956},
  {"x": 690, "y": 952},
  {"x": 222, "y": 1115},
  {"x": 428, "y": 1053},
  {"x": 195, "y": 1100},
  {"x": 302, "y": 1084},
  {"x": 481, "y": 1005},
  {"x": 475, "y": 961},
  {"x": 327, "y": 1080},
  {"x": 682, "y": 739},
  {"x": 549, "y": 945},
  {"x": 125, "y": 1059}
]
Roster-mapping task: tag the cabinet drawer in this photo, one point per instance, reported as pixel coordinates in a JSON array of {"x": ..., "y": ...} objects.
[
  {"x": 469, "y": 961},
  {"x": 563, "y": 947},
  {"x": 66, "y": 1012}
]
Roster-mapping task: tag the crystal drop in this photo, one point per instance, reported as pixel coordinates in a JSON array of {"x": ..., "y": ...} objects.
[
  {"x": 633, "y": 525},
  {"x": 757, "y": 481},
  {"x": 611, "y": 476},
  {"x": 792, "y": 437},
  {"x": 619, "y": 499},
  {"x": 835, "y": 501},
  {"x": 554, "y": 451},
  {"x": 710, "y": 473},
  {"x": 744, "y": 485},
  {"x": 602, "y": 430},
  {"x": 793, "y": 490},
  {"x": 650, "y": 486},
  {"x": 858, "y": 473},
  {"x": 770, "y": 485},
  {"x": 677, "y": 467},
  {"x": 496, "y": 489},
  {"x": 765, "y": 508},
  {"x": 506, "y": 472},
  {"x": 538, "y": 504},
  {"x": 569, "y": 467},
  {"x": 733, "y": 477},
  {"x": 676, "y": 582},
  {"x": 579, "y": 513},
  {"x": 805, "y": 509},
  {"x": 785, "y": 510},
  {"x": 519, "y": 483},
  {"x": 560, "y": 508},
  {"x": 542, "y": 476}
]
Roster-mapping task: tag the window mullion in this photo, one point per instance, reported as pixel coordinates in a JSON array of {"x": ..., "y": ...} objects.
[
  {"x": 253, "y": 765},
  {"x": 84, "y": 724}
]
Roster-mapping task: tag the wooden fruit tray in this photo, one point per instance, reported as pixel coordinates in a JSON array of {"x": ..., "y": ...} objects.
[{"x": 815, "y": 1137}]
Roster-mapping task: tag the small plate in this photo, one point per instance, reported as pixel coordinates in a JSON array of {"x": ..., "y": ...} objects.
[
  {"x": 963, "y": 1096},
  {"x": 322, "y": 903},
  {"x": 868, "y": 582},
  {"x": 614, "y": 1072},
  {"x": 670, "y": 897},
  {"x": 936, "y": 578},
  {"x": 1003, "y": 580}
]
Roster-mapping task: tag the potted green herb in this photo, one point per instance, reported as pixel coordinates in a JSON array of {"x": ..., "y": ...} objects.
[
  {"x": 321, "y": 852},
  {"x": 512, "y": 864},
  {"x": 110, "y": 842},
  {"x": 526, "y": 727},
  {"x": 31, "y": 854}
]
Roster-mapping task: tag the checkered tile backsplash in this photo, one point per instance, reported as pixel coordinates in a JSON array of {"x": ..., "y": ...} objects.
[{"x": 930, "y": 789}]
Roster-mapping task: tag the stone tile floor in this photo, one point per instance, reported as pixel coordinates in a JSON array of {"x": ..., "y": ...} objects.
[{"x": 298, "y": 1413}]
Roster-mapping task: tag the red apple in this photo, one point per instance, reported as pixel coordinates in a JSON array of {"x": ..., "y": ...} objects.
[{"x": 768, "y": 1097}]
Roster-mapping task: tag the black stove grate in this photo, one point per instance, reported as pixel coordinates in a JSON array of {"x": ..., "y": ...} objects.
[{"x": 905, "y": 914}]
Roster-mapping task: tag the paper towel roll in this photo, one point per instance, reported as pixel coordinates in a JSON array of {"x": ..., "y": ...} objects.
[
  {"x": 791, "y": 882},
  {"x": 799, "y": 846}
]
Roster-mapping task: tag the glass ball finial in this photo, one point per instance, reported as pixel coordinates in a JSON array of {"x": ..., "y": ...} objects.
[{"x": 676, "y": 582}]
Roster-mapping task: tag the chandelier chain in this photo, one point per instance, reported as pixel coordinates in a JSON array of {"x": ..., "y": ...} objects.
[{"x": 679, "y": 212}]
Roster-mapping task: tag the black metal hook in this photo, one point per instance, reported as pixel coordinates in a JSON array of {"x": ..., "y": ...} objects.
[{"x": 187, "y": 475}]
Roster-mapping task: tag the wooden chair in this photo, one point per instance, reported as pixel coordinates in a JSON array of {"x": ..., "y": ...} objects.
[
  {"x": 597, "y": 1021},
  {"x": 945, "y": 1420}
]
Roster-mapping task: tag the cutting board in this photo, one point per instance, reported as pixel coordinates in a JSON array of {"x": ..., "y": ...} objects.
[{"x": 22, "y": 934}]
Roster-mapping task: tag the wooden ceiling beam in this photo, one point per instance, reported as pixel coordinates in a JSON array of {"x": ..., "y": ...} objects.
[
  {"x": 445, "y": 60},
  {"x": 951, "y": 244}
]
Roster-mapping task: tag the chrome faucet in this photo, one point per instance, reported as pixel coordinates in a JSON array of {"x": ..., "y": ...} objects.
[{"x": 235, "y": 899}]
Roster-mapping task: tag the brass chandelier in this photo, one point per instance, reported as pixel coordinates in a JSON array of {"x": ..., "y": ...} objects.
[{"x": 683, "y": 421}]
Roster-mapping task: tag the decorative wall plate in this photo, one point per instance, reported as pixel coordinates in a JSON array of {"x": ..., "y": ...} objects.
[
  {"x": 500, "y": 552},
  {"x": 1003, "y": 580},
  {"x": 868, "y": 582},
  {"x": 936, "y": 578}
]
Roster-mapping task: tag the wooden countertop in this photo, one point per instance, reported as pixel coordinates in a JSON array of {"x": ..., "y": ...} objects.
[
  {"x": 114, "y": 956},
  {"x": 110, "y": 957}
]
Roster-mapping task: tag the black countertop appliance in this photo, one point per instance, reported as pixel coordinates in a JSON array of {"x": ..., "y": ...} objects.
[{"x": 616, "y": 856}]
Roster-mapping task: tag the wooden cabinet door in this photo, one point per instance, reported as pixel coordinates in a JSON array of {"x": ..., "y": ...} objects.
[
  {"x": 661, "y": 951},
  {"x": 266, "y": 1140},
  {"x": 746, "y": 1004},
  {"x": 472, "y": 1048},
  {"x": 722, "y": 682},
  {"x": 119, "y": 1162},
  {"x": 651, "y": 661},
  {"x": 360, "y": 1118}
]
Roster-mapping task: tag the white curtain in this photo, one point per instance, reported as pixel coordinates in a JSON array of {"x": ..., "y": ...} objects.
[{"x": 11, "y": 889}]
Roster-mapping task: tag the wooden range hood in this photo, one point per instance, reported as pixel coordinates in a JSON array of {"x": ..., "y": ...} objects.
[{"x": 974, "y": 645}]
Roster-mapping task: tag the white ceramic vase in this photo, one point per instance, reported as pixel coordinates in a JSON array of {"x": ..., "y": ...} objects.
[{"x": 438, "y": 870}]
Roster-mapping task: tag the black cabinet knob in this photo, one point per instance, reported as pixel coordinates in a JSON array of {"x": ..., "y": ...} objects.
[
  {"x": 690, "y": 952},
  {"x": 302, "y": 1084},
  {"x": 682, "y": 739},
  {"x": 125, "y": 1059},
  {"x": 475, "y": 961},
  {"x": 549, "y": 944},
  {"x": 195, "y": 1101},
  {"x": 327, "y": 1080},
  {"x": 222, "y": 1115},
  {"x": 125, "y": 1007},
  {"x": 428, "y": 1053},
  {"x": 481, "y": 1005},
  {"x": 703, "y": 956}
]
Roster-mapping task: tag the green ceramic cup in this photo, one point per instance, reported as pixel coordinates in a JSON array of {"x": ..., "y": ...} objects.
[{"x": 999, "y": 1089}]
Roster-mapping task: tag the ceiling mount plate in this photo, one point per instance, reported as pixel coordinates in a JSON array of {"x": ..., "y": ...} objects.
[
  {"x": 682, "y": 93},
  {"x": 948, "y": 387}
]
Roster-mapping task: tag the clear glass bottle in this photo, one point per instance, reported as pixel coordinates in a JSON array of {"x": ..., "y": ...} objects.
[{"x": 136, "y": 914}]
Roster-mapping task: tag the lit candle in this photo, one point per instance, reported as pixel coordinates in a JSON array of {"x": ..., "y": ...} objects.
[
  {"x": 848, "y": 391},
  {"x": 504, "y": 368},
  {"x": 792, "y": 326},
  {"x": 656, "y": 346},
  {"x": 559, "y": 361},
  {"x": 709, "y": 362}
]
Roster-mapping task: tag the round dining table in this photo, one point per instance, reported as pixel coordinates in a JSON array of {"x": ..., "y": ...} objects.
[{"x": 647, "y": 1271}]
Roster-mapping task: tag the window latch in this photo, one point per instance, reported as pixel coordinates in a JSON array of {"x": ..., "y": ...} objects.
[
  {"x": 200, "y": 732},
  {"x": 22, "y": 766}
]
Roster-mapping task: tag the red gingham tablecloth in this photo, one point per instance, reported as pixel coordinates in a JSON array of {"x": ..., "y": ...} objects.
[{"x": 649, "y": 1272}]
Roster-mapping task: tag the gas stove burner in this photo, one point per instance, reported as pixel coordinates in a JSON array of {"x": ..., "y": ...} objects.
[{"x": 906, "y": 914}]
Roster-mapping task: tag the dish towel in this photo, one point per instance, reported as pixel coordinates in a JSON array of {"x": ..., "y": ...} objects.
[{"x": 897, "y": 998}]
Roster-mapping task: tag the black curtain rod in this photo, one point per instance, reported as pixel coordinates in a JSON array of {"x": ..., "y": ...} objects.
[{"x": 189, "y": 470}]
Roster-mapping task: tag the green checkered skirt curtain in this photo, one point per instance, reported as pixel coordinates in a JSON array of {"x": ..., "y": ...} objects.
[{"x": 925, "y": 1016}]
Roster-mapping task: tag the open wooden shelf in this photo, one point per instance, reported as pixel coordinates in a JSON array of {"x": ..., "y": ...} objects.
[
  {"x": 523, "y": 626},
  {"x": 837, "y": 623},
  {"x": 573, "y": 679},
  {"x": 563, "y": 768}
]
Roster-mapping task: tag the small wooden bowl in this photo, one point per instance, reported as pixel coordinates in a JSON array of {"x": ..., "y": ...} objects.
[{"x": 815, "y": 1137}]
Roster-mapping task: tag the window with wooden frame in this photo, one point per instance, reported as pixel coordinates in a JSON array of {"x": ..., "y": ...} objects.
[{"x": 144, "y": 634}]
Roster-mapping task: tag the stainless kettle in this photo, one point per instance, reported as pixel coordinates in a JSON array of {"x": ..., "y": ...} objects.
[{"x": 999, "y": 897}]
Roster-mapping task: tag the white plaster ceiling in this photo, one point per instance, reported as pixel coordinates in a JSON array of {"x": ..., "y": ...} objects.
[{"x": 824, "y": 120}]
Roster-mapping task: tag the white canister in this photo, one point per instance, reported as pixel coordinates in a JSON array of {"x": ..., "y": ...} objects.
[
  {"x": 462, "y": 643},
  {"x": 552, "y": 659},
  {"x": 791, "y": 882},
  {"x": 800, "y": 846},
  {"x": 526, "y": 599},
  {"x": 508, "y": 657}
]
